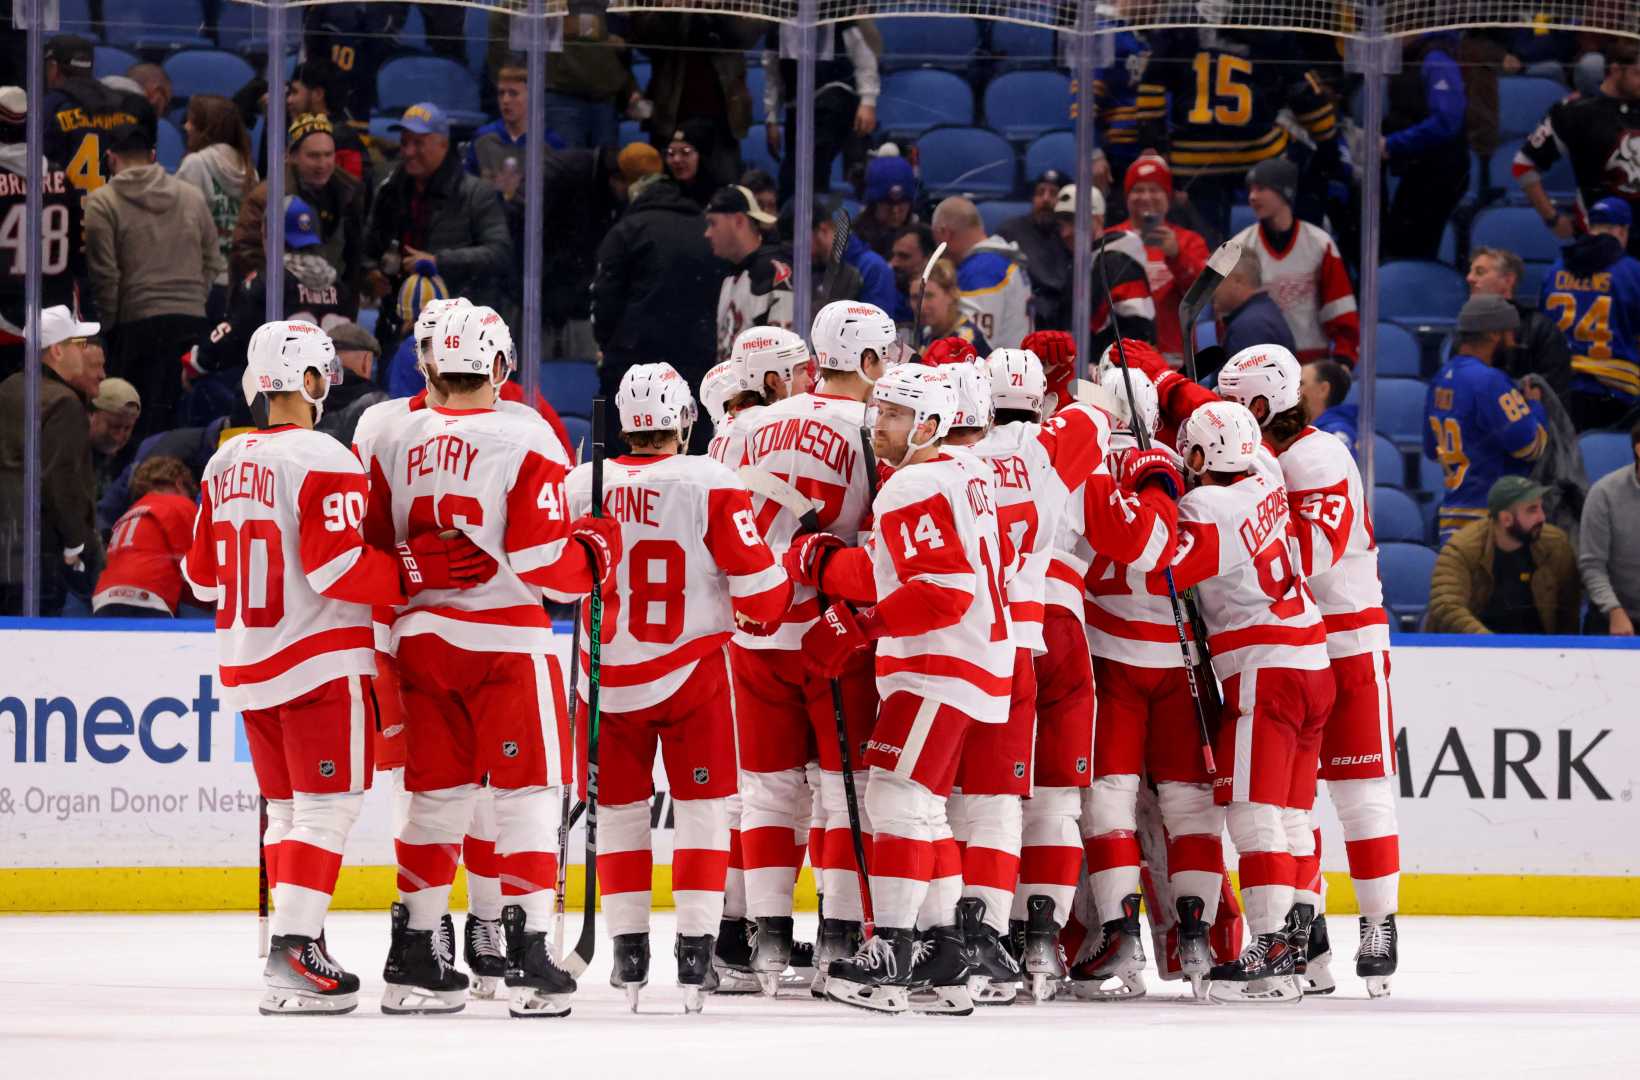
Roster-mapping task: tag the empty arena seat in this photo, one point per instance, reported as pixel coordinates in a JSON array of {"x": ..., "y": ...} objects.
[
  {"x": 107, "y": 60},
  {"x": 1405, "y": 569},
  {"x": 914, "y": 101},
  {"x": 754, "y": 151},
  {"x": 156, "y": 24},
  {"x": 208, "y": 71},
  {"x": 569, "y": 386},
  {"x": 1024, "y": 104},
  {"x": 1419, "y": 293},
  {"x": 1522, "y": 102},
  {"x": 969, "y": 160},
  {"x": 169, "y": 146},
  {"x": 579, "y": 430},
  {"x": 1399, "y": 410},
  {"x": 1241, "y": 216},
  {"x": 1558, "y": 183},
  {"x": 928, "y": 42},
  {"x": 1388, "y": 463},
  {"x": 1399, "y": 354},
  {"x": 1431, "y": 477},
  {"x": 1055, "y": 150},
  {"x": 1605, "y": 452},
  {"x": 756, "y": 80},
  {"x": 1396, "y": 516},
  {"x": 406, "y": 80},
  {"x": 1517, "y": 229},
  {"x": 996, "y": 211},
  {"x": 1019, "y": 43}
]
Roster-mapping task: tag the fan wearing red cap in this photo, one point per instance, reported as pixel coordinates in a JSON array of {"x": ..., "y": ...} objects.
[{"x": 1174, "y": 255}]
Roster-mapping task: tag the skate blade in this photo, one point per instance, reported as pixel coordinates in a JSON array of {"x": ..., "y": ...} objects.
[
  {"x": 296, "y": 1003},
  {"x": 878, "y": 999},
  {"x": 1318, "y": 982},
  {"x": 817, "y": 988},
  {"x": 1043, "y": 986},
  {"x": 484, "y": 987},
  {"x": 769, "y": 983},
  {"x": 1377, "y": 986},
  {"x": 735, "y": 981},
  {"x": 1198, "y": 985},
  {"x": 632, "y": 992},
  {"x": 985, "y": 992},
  {"x": 1130, "y": 986},
  {"x": 694, "y": 1000},
  {"x": 528, "y": 1003},
  {"x": 1279, "y": 990},
  {"x": 941, "y": 1001},
  {"x": 420, "y": 1001}
]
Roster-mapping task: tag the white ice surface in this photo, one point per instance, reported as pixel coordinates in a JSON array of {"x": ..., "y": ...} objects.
[{"x": 175, "y": 996}]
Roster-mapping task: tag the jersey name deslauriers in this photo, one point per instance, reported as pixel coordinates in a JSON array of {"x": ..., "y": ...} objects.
[{"x": 1272, "y": 512}]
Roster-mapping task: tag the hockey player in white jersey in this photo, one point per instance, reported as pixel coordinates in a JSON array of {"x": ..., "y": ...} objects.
[
  {"x": 277, "y": 549},
  {"x": 1340, "y": 559},
  {"x": 693, "y": 563},
  {"x": 767, "y": 364},
  {"x": 482, "y": 696}
]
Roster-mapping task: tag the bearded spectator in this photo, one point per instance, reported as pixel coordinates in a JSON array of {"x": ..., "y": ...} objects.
[{"x": 1036, "y": 233}]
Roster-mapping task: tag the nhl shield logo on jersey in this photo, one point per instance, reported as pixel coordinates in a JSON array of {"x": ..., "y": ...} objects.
[
  {"x": 1019, "y": 769},
  {"x": 702, "y": 775},
  {"x": 1081, "y": 765},
  {"x": 509, "y": 749},
  {"x": 327, "y": 768}
]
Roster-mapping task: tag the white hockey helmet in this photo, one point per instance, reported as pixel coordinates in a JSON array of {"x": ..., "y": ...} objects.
[
  {"x": 1017, "y": 380},
  {"x": 278, "y": 356},
  {"x": 1270, "y": 372},
  {"x": 927, "y": 392},
  {"x": 761, "y": 350},
  {"x": 972, "y": 388},
  {"x": 845, "y": 329},
  {"x": 467, "y": 342},
  {"x": 654, "y": 397},
  {"x": 1226, "y": 434},
  {"x": 721, "y": 385},
  {"x": 432, "y": 313},
  {"x": 1144, "y": 396}
]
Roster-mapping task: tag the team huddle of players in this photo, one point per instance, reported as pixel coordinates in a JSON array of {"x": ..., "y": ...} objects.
[{"x": 873, "y": 628}]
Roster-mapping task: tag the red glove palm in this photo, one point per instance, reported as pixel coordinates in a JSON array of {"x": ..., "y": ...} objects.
[
  {"x": 601, "y": 537},
  {"x": 437, "y": 561},
  {"x": 838, "y": 635},
  {"x": 1142, "y": 467},
  {"x": 803, "y": 561},
  {"x": 1057, "y": 351},
  {"x": 949, "y": 350}
]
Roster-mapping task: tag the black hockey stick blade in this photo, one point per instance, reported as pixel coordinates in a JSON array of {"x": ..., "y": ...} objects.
[{"x": 577, "y": 962}]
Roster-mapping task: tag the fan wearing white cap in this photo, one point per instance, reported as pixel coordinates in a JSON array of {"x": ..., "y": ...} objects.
[
  {"x": 278, "y": 549},
  {"x": 695, "y": 566},
  {"x": 1339, "y": 557},
  {"x": 1265, "y": 633},
  {"x": 932, "y": 575},
  {"x": 1119, "y": 257}
]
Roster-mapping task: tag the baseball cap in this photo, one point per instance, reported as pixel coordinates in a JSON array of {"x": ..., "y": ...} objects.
[
  {"x": 1066, "y": 202},
  {"x": 890, "y": 179},
  {"x": 1611, "y": 211},
  {"x": 1485, "y": 313},
  {"x": 117, "y": 395},
  {"x": 738, "y": 199},
  {"x": 301, "y": 224},
  {"x": 1150, "y": 168},
  {"x": 72, "y": 52},
  {"x": 351, "y": 337},
  {"x": 638, "y": 160},
  {"x": 1055, "y": 177},
  {"x": 1511, "y": 491},
  {"x": 423, "y": 118},
  {"x": 58, "y": 324}
]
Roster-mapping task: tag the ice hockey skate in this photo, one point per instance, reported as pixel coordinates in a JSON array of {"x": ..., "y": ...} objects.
[
  {"x": 1262, "y": 974},
  {"x": 939, "y": 974},
  {"x": 838, "y": 940},
  {"x": 420, "y": 973},
  {"x": 485, "y": 953},
  {"x": 1317, "y": 977},
  {"x": 771, "y": 952},
  {"x": 732, "y": 957},
  {"x": 694, "y": 969},
  {"x": 995, "y": 977},
  {"x": 536, "y": 985},
  {"x": 1195, "y": 955},
  {"x": 630, "y": 971},
  {"x": 1043, "y": 963},
  {"x": 1375, "y": 960},
  {"x": 878, "y": 976},
  {"x": 303, "y": 979},
  {"x": 1119, "y": 955}
]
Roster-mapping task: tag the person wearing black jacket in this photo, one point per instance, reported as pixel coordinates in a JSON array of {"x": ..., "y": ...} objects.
[
  {"x": 1541, "y": 347},
  {"x": 1426, "y": 145},
  {"x": 1049, "y": 261},
  {"x": 80, "y": 112}
]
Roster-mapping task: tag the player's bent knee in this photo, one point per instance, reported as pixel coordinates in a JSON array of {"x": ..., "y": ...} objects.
[
  {"x": 1110, "y": 804},
  {"x": 899, "y": 806},
  {"x": 1189, "y": 809},
  {"x": 1048, "y": 802},
  {"x": 440, "y": 816},
  {"x": 1366, "y": 808},
  {"x": 1257, "y": 827}
]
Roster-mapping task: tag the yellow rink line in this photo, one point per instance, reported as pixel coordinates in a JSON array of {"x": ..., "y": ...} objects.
[{"x": 116, "y": 889}]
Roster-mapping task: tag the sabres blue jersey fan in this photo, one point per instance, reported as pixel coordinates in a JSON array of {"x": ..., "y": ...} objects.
[
  {"x": 1593, "y": 293},
  {"x": 1480, "y": 428}
]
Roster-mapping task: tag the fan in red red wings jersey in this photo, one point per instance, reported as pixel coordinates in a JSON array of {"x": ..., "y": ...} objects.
[
  {"x": 481, "y": 696},
  {"x": 145, "y": 550},
  {"x": 693, "y": 564},
  {"x": 277, "y": 548},
  {"x": 1340, "y": 558}
]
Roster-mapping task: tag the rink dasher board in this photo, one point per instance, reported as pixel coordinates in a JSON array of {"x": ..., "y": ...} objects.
[{"x": 126, "y": 783}]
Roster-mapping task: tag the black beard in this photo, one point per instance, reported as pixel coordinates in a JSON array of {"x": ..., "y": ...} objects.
[{"x": 1527, "y": 537}]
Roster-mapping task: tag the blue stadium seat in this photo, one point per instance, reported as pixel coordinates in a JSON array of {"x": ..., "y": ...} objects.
[
  {"x": 1522, "y": 102},
  {"x": 1024, "y": 104},
  {"x": 996, "y": 211},
  {"x": 914, "y": 101},
  {"x": 1531, "y": 283},
  {"x": 1400, "y": 410},
  {"x": 1448, "y": 251},
  {"x": 107, "y": 60},
  {"x": 405, "y": 80},
  {"x": 368, "y": 317},
  {"x": 1055, "y": 150},
  {"x": 170, "y": 146},
  {"x": 413, "y": 31},
  {"x": 74, "y": 17},
  {"x": 754, "y": 151},
  {"x": 967, "y": 160},
  {"x": 579, "y": 430},
  {"x": 569, "y": 386},
  {"x": 243, "y": 28},
  {"x": 1405, "y": 570},
  {"x": 477, "y": 29},
  {"x": 1388, "y": 463},
  {"x": 1241, "y": 216},
  {"x": 756, "y": 78},
  {"x": 1517, "y": 229},
  {"x": 1605, "y": 452},
  {"x": 1399, "y": 354},
  {"x": 1431, "y": 477},
  {"x": 630, "y": 131},
  {"x": 156, "y": 24},
  {"x": 1418, "y": 293},
  {"x": 1019, "y": 43},
  {"x": 1559, "y": 182},
  {"x": 641, "y": 71},
  {"x": 926, "y": 42},
  {"x": 1396, "y": 516},
  {"x": 207, "y": 71}
]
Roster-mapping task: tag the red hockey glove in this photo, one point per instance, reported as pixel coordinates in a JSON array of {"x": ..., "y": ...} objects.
[
  {"x": 435, "y": 561},
  {"x": 1057, "y": 351},
  {"x": 602, "y": 538},
  {"x": 838, "y": 635},
  {"x": 805, "y": 558},
  {"x": 1141, "y": 467},
  {"x": 949, "y": 350}
]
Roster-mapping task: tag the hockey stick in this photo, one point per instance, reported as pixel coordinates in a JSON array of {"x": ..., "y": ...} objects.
[
  {"x": 1196, "y": 680},
  {"x": 841, "y": 228},
  {"x": 262, "y": 882},
  {"x": 1200, "y": 293},
  {"x": 576, "y": 965},
  {"x": 564, "y": 821},
  {"x": 916, "y": 322},
  {"x": 776, "y": 490}
]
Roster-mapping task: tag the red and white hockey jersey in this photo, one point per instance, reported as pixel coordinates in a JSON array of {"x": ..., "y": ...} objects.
[
  {"x": 1309, "y": 283},
  {"x": 812, "y": 442},
  {"x": 1236, "y": 546},
  {"x": 145, "y": 553},
  {"x": 692, "y": 560},
  {"x": 277, "y": 547},
  {"x": 729, "y": 439},
  {"x": 936, "y": 559},
  {"x": 490, "y": 474},
  {"x": 1335, "y": 543}
]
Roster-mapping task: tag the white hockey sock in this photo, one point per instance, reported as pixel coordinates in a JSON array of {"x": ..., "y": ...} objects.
[
  {"x": 769, "y": 805},
  {"x": 310, "y": 857},
  {"x": 700, "y": 853},
  {"x": 626, "y": 866},
  {"x": 427, "y": 849}
]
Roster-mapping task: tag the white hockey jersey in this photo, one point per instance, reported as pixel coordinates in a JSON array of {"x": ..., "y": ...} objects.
[
  {"x": 1311, "y": 285},
  {"x": 729, "y": 439},
  {"x": 996, "y": 292},
  {"x": 692, "y": 560},
  {"x": 277, "y": 547},
  {"x": 812, "y": 442},
  {"x": 1335, "y": 543}
]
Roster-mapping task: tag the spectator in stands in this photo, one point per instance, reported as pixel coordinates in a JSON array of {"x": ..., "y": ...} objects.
[
  {"x": 1594, "y": 288},
  {"x": 93, "y": 368},
  {"x": 357, "y": 39},
  {"x": 758, "y": 288},
  {"x": 219, "y": 164},
  {"x": 1036, "y": 234},
  {"x": 496, "y": 152},
  {"x": 698, "y": 72},
  {"x": 404, "y": 375},
  {"x": 310, "y": 92},
  {"x": 336, "y": 198},
  {"x": 115, "y": 408},
  {"x": 431, "y": 217},
  {"x": 657, "y": 281},
  {"x": 1609, "y": 548},
  {"x": 1324, "y": 385},
  {"x": 913, "y": 247},
  {"x": 1116, "y": 101},
  {"x": 70, "y": 549},
  {"x": 589, "y": 81},
  {"x": 143, "y": 578},
  {"x": 1246, "y": 314},
  {"x": 686, "y": 158},
  {"x": 357, "y": 351},
  {"x": 1119, "y": 263},
  {"x": 194, "y": 445},
  {"x": 1174, "y": 255},
  {"x": 1508, "y": 573},
  {"x": 1300, "y": 267},
  {"x": 1426, "y": 145},
  {"x": 943, "y": 315},
  {"x": 155, "y": 84},
  {"x": 151, "y": 249},
  {"x": 1477, "y": 424},
  {"x": 996, "y": 290},
  {"x": 1541, "y": 347},
  {"x": 762, "y": 185},
  {"x": 584, "y": 194},
  {"x": 845, "y": 100},
  {"x": 891, "y": 187},
  {"x": 83, "y": 112},
  {"x": 1600, "y": 135},
  {"x": 863, "y": 274}
]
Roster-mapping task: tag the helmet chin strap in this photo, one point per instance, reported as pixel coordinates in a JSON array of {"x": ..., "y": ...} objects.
[{"x": 913, "y": 448}]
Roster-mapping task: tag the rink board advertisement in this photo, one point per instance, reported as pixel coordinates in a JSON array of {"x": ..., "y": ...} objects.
[{"x": 119, "y": 755}]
